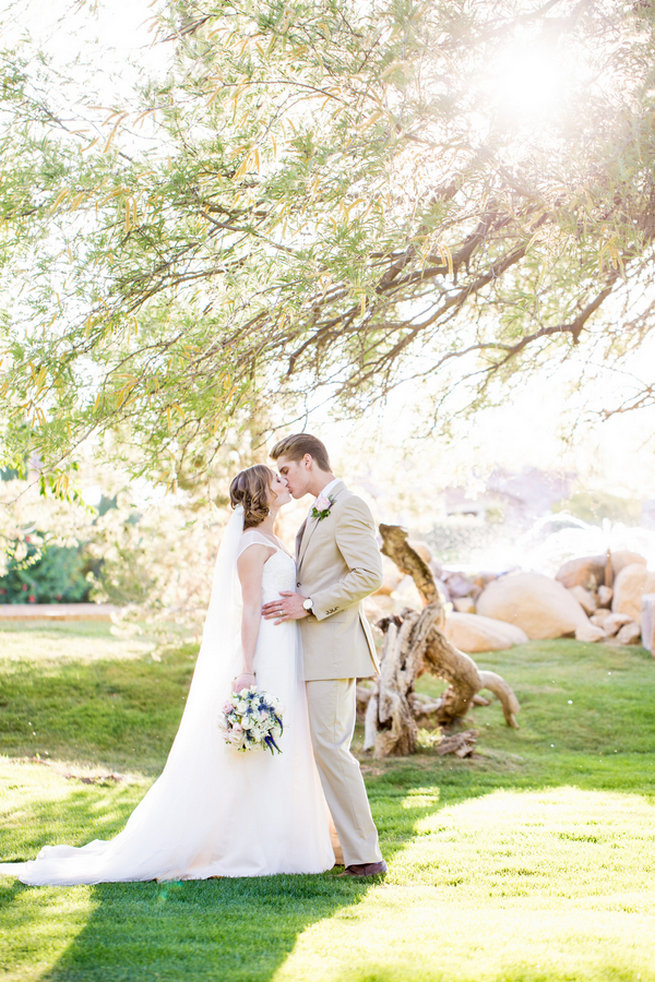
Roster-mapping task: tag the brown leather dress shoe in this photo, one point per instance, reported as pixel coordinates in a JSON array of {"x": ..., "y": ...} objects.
[{"x": 365, "y": 869}]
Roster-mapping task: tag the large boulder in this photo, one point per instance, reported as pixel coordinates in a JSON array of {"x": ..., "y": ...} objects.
[
  {"x": 602, "y": 617},
  {"x": 587, "y": 572},
  {"x": 624, "y": 558},
  {"x": 587, "y": 631},
  {"x": 614, "y": 622},
  {"x": 630, "y": 586},
  {"x": 629, "y": 634},
  {"x": 587, "y": 600},
  {"x": 605, "y": 594},
  {"x": 459, "y": 585},
  {"x": 470, "y": 632},
  {"x": 540, "y": 606}
]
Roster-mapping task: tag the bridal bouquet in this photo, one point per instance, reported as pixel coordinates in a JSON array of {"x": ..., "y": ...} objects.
[{"x": 252, "y": 718}]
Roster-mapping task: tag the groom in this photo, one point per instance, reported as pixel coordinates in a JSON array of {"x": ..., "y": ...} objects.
[{"x": 338, "y": 565}]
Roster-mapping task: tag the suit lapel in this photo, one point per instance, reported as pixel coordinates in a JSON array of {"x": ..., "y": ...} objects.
[
  {"x": 309, "y": 526},
  {"x": 299, "y": 535}
]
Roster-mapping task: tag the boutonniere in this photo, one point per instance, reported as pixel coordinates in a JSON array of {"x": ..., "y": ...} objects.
[{"x": 322, "y": 507}]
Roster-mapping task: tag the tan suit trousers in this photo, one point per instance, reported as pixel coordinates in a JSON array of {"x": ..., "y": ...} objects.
[{"x": 332, "y": 708}]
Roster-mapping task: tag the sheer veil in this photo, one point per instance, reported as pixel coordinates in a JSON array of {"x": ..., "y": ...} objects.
[
  {"x": 212, "y": 811},
  {"x": 180, "y": 825},
  {"x": 219, "y": 657}
]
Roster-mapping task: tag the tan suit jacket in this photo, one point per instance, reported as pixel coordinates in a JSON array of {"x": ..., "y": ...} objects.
[{"x": 339, "y": 564}]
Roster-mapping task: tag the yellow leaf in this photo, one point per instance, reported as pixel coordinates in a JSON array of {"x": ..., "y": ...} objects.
[
  {"x": 90, "y": 145},
  {"x": 241, "y": 169},
  {"x": 362, "y": 305},
  {"x": 142, "y": 116},
  {"x": 58, "y": 200},
  {"x": 110, "y": 139},
  {"x": 123, "y": 395},
  {"x": 449, "y": 260}
]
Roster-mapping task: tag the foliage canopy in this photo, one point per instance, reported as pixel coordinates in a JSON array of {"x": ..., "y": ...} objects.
[{"x": 321, "y": 199}]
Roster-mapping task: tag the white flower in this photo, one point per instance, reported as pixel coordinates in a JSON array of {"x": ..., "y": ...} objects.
[{"x": 251, "y": 719}]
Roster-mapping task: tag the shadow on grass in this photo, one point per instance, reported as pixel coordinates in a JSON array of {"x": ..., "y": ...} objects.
[
  {"x": 74, "y": 819},
  {"x": 245, "y": 929},
  {"x": 237, "y": 929}
]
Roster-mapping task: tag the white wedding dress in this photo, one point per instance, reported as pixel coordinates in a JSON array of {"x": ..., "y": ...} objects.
[{"x": 215, "y": 811}]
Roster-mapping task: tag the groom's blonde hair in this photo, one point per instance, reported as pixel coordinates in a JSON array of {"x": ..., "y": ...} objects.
[{"x": 298, "y": 444}]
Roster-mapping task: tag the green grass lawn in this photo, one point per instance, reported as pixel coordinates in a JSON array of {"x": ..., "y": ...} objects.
[{"x": 532, "y": 861}]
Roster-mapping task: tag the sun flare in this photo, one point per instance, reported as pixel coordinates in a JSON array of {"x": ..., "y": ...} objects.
[{"x": 527, "y": 81}]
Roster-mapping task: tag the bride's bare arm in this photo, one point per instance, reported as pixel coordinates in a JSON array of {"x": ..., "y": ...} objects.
[{"x": 250, "y": 567}]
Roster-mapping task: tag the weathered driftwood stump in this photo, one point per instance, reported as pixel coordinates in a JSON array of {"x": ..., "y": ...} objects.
[{"x": 414, "y": 643}]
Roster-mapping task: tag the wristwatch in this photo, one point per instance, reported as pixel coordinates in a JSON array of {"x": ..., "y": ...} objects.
[{"x": 308, "y": 604}]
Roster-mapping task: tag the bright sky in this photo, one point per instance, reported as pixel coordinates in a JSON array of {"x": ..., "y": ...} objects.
[{"x": 65, "y": 28}]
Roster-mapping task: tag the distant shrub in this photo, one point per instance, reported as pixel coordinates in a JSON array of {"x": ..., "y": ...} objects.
[
  {"x": 45, "y": 574},
  {"x": 454, "y": 540},
  {"x": 594, "y": 506}
]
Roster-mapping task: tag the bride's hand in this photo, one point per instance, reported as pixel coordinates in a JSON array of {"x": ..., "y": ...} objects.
[{"x": 243, "y": 681}]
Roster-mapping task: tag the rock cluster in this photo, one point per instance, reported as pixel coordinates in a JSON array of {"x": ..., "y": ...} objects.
[{"x": 593, "y": 598}]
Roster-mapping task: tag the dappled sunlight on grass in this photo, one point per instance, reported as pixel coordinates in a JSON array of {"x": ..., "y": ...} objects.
[
  {"x": 39, "y": 926},
  {"x": 39, "y": 806},
  {"x": 532, "y": 861},
  {"x": 563, "y": 842},
  {"x": 404, "y": 935},
  {"x": 508, "y": 886},
  {"x": 80, "y": 641},
  {"x": 420, "y": 798}
]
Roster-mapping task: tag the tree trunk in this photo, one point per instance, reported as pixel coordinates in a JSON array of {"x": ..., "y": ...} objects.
[{"x": 414, "y": 643}]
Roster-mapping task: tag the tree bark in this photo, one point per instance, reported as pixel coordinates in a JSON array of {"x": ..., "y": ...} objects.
[{"x": 414, "y": 643}]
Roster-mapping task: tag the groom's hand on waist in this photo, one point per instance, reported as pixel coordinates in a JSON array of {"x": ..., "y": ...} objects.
[{"x": 289, "y": 607}]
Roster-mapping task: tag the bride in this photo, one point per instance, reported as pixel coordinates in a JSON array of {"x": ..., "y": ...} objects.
[{"x": 215, "y": 811}]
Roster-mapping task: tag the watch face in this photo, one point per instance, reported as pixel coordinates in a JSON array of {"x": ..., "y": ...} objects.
[{"x": 308, "y": 604}]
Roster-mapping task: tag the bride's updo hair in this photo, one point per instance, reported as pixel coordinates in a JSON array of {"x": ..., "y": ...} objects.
[{"x": 250, "y": 489}]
